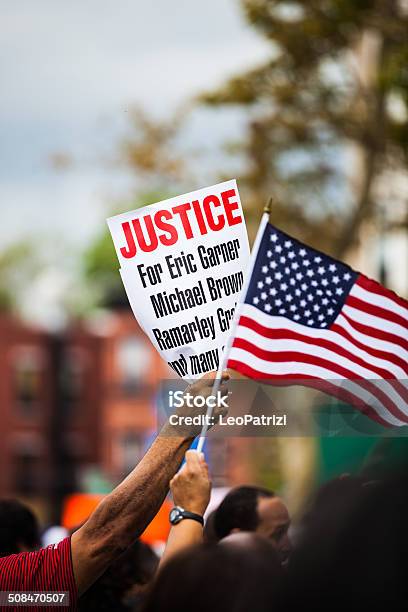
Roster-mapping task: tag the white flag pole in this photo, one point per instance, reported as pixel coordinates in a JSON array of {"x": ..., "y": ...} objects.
[{"x": 237, "y": 314}]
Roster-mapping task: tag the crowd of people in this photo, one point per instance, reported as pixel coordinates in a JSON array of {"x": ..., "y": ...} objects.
[{"x": 348, "y": 549}]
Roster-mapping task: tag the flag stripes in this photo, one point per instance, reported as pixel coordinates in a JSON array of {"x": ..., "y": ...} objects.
[{"x": 349, "y": 339}]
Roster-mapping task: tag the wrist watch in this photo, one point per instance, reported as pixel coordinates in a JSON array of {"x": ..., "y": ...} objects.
[{"x": 178, "y": 513}]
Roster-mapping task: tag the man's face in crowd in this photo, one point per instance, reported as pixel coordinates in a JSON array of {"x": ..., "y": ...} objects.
[{"x": 274, "y": 523}]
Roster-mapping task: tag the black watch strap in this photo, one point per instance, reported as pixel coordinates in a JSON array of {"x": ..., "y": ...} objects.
[
  {"x": 178, "y": 513},
  {"x": 192, "y": 515}
]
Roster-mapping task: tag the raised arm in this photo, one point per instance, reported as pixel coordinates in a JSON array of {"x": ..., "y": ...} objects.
[
  {"x": 191, "y": 489},
  {"x": 124, "y": 514}
]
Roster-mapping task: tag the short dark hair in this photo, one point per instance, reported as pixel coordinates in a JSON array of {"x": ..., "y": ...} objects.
[
  {"x": 238, "y": 510},
  {"x": 18, "y": 525},
  {"x": 218, "y": 577}
]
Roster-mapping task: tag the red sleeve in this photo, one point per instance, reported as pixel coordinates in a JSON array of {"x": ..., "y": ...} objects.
[{"x": 48, "y": 569}]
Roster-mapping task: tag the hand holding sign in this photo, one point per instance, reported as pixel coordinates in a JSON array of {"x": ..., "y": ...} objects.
[{"x": 183, "y": 262}]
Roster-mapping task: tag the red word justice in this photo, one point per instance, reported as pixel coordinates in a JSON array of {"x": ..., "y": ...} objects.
[{"x": 145, "y": 233}]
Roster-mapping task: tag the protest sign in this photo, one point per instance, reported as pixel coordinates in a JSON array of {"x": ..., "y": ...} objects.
[{"x": 183, "y": 263}]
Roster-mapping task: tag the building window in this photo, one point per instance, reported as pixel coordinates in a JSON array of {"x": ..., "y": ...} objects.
[
  {"x": 27, "y": 473},
  {"x": 28, "y": 461},
  {"x": 28, "y": 369},
  {"x": 134, "y": 361},
  {"x": 72, "y": 379},
  {"x": 129, "y": 451}
]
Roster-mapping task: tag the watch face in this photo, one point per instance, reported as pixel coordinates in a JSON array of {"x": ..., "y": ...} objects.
[{"x": 175, "y": 516}]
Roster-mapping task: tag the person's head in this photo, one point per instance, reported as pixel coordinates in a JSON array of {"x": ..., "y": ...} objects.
[
  {"x": 233, "y": 575},
  {"x": 121, "y": 587},
  {"x": 209, "y": 535},
  {"x": 254, "y": 509},
  {"x": 19, "y": 529},
  {"x": 352, "y": 548}
]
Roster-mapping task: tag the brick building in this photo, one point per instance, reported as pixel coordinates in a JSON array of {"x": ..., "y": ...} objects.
[
  {"x": 72, "y": 404},
  {"x": 26, "y": 408}
]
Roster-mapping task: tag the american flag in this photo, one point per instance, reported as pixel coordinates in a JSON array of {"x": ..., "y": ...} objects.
[{"x": 309, "y": 319}]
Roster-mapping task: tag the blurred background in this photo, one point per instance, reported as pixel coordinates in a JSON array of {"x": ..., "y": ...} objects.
[{"x": 109, "y": 106}]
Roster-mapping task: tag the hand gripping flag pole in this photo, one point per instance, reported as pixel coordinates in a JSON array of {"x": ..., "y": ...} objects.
[{"x": 234, "y": 323}]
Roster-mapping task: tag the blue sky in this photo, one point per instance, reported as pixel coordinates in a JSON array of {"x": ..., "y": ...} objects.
[{"x": 70, "y": 71}]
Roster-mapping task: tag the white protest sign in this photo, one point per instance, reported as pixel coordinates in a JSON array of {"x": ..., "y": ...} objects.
[{"x": 183, "y": 263}]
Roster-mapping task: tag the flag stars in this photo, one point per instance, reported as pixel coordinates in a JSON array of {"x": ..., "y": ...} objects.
[{"x": 297, "y": 283}]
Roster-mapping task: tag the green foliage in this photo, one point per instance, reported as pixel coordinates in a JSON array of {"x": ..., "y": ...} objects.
[
  {"x": 326, "y": 88},
  {"x": 18, "y": 265}
]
